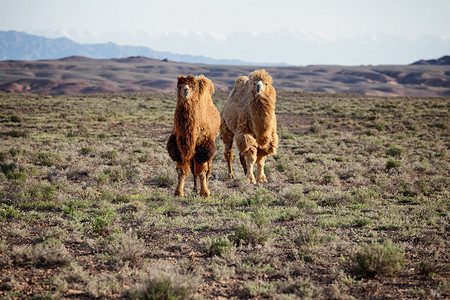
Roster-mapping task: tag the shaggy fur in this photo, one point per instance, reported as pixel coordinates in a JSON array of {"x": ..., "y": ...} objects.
[
  {"x": 196, "y": 125},
  {"x": 249, "y": 118}
]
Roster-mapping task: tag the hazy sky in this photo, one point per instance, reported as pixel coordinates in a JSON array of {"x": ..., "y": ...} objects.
[{"x": 348, "y": 18}]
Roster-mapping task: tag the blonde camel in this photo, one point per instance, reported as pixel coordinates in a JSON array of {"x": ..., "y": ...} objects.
[{"x": 249, "y": 118}]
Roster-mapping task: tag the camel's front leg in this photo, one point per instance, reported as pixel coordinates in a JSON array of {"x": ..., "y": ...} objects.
[
  {"x": 260, "y": 176},
  {"x": 229, "y": 159},
  {"x": 203, "y": 170},
  {"x": 183, "y": 172},
  {"x": 204, "y": 191},
  {"x": 227, "y": 137}
]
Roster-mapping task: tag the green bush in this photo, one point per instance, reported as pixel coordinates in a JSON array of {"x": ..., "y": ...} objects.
[
  {"x": 395, "y": 151},
  {"x": 8, "y": 212},
  {"x": 249, "y": 234},
  {"x": 378, "y": 259},
  {"x": 113, "y": 154},
  {"x": 220, "y": 246},
  {"x": 393, "y": 164},
  {"x": 167, "y": 286},
  {"x": 46, "y": 159}
]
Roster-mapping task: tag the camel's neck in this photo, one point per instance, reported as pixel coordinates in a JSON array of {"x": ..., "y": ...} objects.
[
  {"x": 262, "y": 111},
  {"x": 186, "y": 128}
]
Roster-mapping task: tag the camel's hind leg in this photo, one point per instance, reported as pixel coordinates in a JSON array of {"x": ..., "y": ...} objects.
[
  {"x": 243, "y": 163},
  {"x": 227, "y": 137},
  {"x": 204, "y": 154},
  {"x": 195, "y": 178},
  {"x": 247, "y": 146}
]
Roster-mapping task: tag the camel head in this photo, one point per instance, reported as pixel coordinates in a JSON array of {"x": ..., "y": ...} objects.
[
  {"x": 261, "y": 83},
  {"x": 185, "y": 86}
]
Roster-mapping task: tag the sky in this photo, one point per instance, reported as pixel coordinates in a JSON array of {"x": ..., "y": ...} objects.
[{"x": 329, "y": 18}]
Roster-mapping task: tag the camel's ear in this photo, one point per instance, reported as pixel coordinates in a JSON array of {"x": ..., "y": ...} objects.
[
  {"x": 180, "y": 79},
  {"x": 190, "y": 77}
]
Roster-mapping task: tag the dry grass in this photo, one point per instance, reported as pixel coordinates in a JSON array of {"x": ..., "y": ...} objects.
[{"x": 86, "y": 205}]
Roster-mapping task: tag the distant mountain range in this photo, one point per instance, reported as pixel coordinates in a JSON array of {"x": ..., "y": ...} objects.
[
  {"x": 288, "y": 46},
  {"x": 16, "y": 45}
]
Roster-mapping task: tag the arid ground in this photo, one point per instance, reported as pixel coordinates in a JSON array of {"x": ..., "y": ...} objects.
[
  {"x": 356, "y": 207},
  {"x": 80, "y": 75}
]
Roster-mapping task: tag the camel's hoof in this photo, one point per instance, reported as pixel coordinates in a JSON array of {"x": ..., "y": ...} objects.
[
  {"x": 179, "y": 193},
  {"x": 231, "y": 175},
  {"x": 251, "y": 179},
  {"x": 262, "y": 179},
  {"x": 205, "y": 193}
]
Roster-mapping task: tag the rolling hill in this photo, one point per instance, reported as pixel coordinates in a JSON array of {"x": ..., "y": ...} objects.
[{"x": 137, "y": 74}]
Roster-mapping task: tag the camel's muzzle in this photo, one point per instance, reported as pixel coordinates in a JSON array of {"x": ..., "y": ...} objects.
[{"x": 259, "y": 86}]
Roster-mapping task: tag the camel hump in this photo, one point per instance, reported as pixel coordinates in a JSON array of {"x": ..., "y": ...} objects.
[
  {"x": 204, "y": 85},
  {"x": 240, "y": 81}
]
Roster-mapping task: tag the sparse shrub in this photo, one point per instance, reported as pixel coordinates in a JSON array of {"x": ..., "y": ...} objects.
[
  {"x": 282, "y": 164},
  {"x": 221, "y": 271},
  {"x": 86, "y": 150},
  {"x": 380, "y": 127},
  {"x": 14, "y": 152},
  {"x": 39, "y": 196},
  {"x": 328, "y": 179},
  {"x": 395, "y": 151},
  {"x": 292, "y": 196},
  {"x": 260, "y": 197},
  {"x": 373, "y": 147},
  {"x": 144, "y": 158},
  {"x": 165, "y": 178},
  {"x": 432, "y": 267},
  {"x": 6, "y": 168},
  {"x": 129, "y": 248},
  {"x": 3, "y": 156},
  {"x": 113, "y": 154},
  {"x": 13, "y": 173},
  {"x": 307, "y": 205},
  {"x": 15, "y": 118},
  {"x": 101, "y": 179},
  {"x": 303, "y": 288},
  {"x": 165, "y": 285},
  {"x": 49, "y": 252},
  {"x": 103, "y": 135},
  {"x": 360, "y": 222},
  {"x": 393, "y": 164},
  {"x": 8, "y": 212},
  {"x": 102, "y": 224},
  {"x": 46, "y": 159},
  {"x": 307, "y": 236},
  {"x": 220, "y": 246},
  {"x": 441, "y": 125},
  {"x": 114, "y": 174},
  {"x": 363, "y": 195},
  {"x": 316, "y": 128},
  {"x": 378, "y": 259},
  {"x": 249, "y": 234},
  {"x": 16, "y": 133}
]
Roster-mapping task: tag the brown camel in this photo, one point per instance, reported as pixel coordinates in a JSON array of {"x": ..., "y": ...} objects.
[{"x": 196, "y": 125}]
